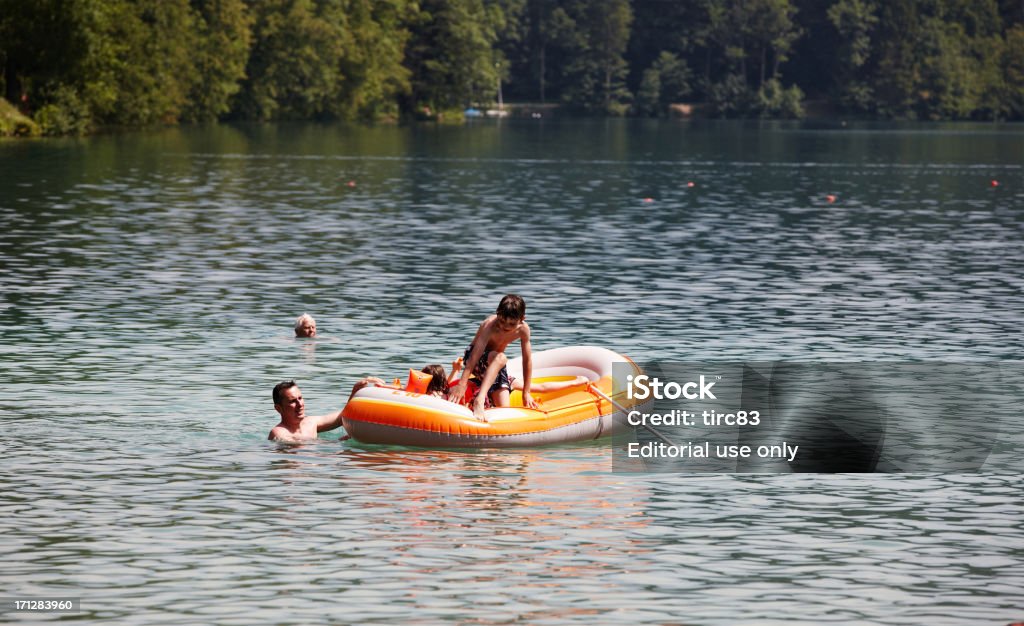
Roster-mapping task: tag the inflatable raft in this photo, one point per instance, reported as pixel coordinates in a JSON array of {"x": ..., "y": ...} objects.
[{"x": 386, "y": 415}]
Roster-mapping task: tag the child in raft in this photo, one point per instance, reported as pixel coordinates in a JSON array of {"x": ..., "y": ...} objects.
[
  {"x": 485, "y": 358},
  {"x": 439, "y": 384},
  {"x": 517, "y": 385}
]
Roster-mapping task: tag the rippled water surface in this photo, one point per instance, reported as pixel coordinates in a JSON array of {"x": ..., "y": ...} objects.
[{"x": 149, "y": 282}]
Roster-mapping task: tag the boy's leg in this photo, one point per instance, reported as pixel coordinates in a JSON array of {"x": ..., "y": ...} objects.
[
  {"x": 501, "y": 397},
  {"x": 501, "y": 390},
  {"x": 497, "y": 360}
]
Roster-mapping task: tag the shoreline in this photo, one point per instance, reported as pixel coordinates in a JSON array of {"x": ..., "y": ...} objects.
[{"x": 16, "y": 125}]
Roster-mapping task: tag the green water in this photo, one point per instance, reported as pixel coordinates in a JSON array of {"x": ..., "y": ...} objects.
[{"x": 149, "y": 282}]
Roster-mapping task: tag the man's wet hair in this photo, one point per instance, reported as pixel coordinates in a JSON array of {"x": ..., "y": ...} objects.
[{"x": 279, "y": 389}]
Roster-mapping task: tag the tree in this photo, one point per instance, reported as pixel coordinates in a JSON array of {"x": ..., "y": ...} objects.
[
  {"x": 665, "y": 82},
  {"x": 541, "y": 40},
  {"x": 726, "y": 37},
  {"x": 224, "y": 33},
  {"x": 663, "y": 27},
  {"x": 292, "y": 70},
  {"x": 371, "y": 73},
  {"x": 953, "y": 77},
  {"x": 78, "y": 63},
  {"x": 597, "y": 73},
  {"x": 155, "y": 67},
  {"x": 451, "y": 56},
  {"x": 898, "y": 61},
  {"x": 938, "y": 59},
  {"x": 772, "y": 34},
  {"x": 563, "y": 42},
  {"x": 61, "y": 59},
  {"x": 854, "y": 22},
  {"x": 1011, "y": 12},
  {"x": 1012, "y": 65},
  {"x": 746, "y": 35}
]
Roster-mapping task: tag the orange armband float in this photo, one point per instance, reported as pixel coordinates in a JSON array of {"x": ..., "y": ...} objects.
[{"x": 418, "y": 381}]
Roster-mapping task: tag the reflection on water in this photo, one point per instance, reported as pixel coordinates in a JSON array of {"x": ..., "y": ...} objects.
[{"x": 149, "y": 283}]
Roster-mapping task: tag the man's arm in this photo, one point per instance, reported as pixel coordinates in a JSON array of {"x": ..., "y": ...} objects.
[
  {"x": 333, "y": 420},
  {"x": 328, "y": 422},
  {"x": 365, "y": 382},
  {"x": 524, "y": 341}
]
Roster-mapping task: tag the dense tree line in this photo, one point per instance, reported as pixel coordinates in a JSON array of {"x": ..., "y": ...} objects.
[{"x": 76, "y": 64}]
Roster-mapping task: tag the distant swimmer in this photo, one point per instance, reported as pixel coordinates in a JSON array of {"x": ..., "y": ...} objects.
[
  {"x": 295, "y": 424},
  {"x": 305, "y": 326}
]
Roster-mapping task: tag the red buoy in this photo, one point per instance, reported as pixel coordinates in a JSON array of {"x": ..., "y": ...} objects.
[
  {"x": 995, "y": 183},
  {"x": 830, "y": 198}
]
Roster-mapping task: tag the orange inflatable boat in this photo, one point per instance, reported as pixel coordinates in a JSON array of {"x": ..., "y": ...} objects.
[{"x": 579, "y": 412}]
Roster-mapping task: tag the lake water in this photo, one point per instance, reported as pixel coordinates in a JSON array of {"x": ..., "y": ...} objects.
[{"x": 150, "y": 280}]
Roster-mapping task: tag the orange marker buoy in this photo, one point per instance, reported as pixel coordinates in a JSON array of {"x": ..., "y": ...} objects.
[
  {"x": 830, "y": 198},
  {"x": 995, "y": 183},
  {"x": 648, "y": 199},
  {"x": 351, "y": 183},
  {"x": 691, "y": 184}
]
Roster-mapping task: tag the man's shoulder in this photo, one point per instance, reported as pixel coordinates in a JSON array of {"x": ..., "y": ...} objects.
[{"x": 280, "y": 433}]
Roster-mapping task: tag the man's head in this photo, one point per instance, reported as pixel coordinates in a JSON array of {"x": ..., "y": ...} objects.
[
  {"x": 305, "y": 326},
  {"x": 511, "y": 311},
  {"x": 288, "y": 401}
]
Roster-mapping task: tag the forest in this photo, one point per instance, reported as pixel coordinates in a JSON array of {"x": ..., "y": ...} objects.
[{"x": 74, "y": 66}]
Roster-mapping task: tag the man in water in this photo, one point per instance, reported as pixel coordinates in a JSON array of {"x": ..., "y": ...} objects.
[
  {"x": 295, "y": 424},
  {"x": 305, "y": 326}
]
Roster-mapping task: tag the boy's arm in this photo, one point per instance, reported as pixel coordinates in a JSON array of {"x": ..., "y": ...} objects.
[
  {"x": 456, "y": 393},
  {"x": 528, "y": 400}
]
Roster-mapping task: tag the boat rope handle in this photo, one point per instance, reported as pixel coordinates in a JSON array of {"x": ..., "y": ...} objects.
[{"x": 594, "y": 390}]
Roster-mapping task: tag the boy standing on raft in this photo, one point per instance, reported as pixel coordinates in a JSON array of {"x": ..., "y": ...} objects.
[{"x": 485, "y": 358}]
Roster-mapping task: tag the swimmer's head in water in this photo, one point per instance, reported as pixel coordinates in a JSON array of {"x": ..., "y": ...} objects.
[{"x": 305, "y": 326}]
